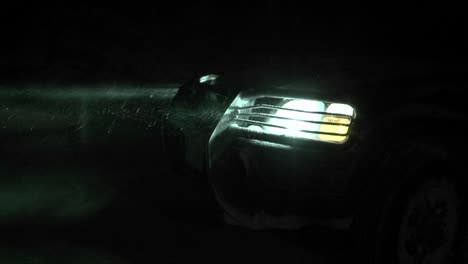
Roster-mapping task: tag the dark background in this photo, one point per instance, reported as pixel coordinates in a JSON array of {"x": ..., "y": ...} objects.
[
  {"x": 178, "y": 221},
  {"x": 171, "y": 41}
]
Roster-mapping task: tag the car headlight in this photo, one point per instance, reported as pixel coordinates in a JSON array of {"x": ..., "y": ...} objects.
[{"x": 290, "y": 117}]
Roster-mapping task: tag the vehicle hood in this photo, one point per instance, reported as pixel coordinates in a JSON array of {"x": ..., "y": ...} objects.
[{"x": 372, "y": 84}]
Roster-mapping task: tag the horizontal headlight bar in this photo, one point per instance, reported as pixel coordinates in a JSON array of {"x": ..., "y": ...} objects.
[
  {"x": 252, "y": 122},
  {"x": 260, "y": 115},
  {"x": 272, "y": 107}
]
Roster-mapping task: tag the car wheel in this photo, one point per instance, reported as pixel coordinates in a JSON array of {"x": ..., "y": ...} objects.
[
  {"x": 414, "y": 215},
  {"x": 427, "y": 230}
]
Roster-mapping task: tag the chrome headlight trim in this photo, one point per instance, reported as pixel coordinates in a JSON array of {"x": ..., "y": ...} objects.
[{"x": 291, "y": 117}]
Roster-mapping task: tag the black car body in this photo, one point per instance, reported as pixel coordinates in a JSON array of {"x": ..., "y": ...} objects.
[
  {"x": 399, "y": 130},
  {"x": 259, "y": 175}
]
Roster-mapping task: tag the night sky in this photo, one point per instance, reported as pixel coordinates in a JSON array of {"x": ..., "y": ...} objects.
[{"x": 170, "y": 42}]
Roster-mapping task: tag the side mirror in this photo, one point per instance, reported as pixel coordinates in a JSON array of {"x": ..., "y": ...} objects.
[
  {"x": 195, "y": 90},
  {"x": 209, "y": 79}
]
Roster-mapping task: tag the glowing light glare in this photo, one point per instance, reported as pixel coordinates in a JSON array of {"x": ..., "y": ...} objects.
[
  {"x": 242, "y": 102},
  {"x": 297, "y": 118},
  {"x": 341, "y": 109},
  {"x": 296, "y": 124},
  {"x": 255, "y": 128},
  {"x": 327, "y": 128},
  {"x": 208, "y": 78}
]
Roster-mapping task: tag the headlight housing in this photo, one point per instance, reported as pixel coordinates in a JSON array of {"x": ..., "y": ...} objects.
[{"x": 291, "y": 117}]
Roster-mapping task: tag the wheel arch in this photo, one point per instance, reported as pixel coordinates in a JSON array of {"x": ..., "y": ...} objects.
[{"x": 431, "y": 129}]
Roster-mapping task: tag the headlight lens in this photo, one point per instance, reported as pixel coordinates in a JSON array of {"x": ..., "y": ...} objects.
[
  {"x": 295, "y": 118},
  {"x": 290, "y": 117}
]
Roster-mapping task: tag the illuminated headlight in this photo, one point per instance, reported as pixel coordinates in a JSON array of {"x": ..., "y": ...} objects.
[{"x": 290, "y": 117}]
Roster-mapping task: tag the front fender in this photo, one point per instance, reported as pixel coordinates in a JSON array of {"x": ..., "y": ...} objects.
[{"x": 435, "y": 126}]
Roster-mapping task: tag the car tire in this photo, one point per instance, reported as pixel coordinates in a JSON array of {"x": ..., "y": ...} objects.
[{"x": 392, "y": 227}]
